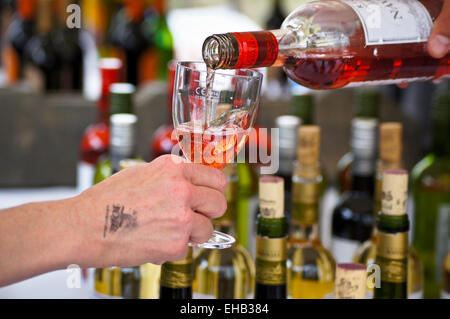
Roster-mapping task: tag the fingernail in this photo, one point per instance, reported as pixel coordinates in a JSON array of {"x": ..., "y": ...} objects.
[{"x": 439, "y": 45}]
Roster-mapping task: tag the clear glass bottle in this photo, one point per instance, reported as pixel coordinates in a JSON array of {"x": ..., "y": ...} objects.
[
  {"x": 311, "y": 267},
  {"x": 335, "y": 43},
  {"x": 431, "y": 197},
  {"x": 225, "y": 273}
]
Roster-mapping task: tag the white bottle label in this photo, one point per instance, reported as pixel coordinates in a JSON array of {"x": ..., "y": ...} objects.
[
  {"x": 344, "y": 250},
  {"x": 85, "y": 176},
  {"x": 393, "y": 21}
]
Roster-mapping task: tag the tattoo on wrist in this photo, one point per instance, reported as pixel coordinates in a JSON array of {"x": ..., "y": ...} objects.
[{"x": 116, "y": 219}]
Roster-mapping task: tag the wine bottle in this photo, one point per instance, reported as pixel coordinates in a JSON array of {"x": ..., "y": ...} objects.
[
  {"x": 163, "y": 39},
  {"x": 367, "y": 106},
  {"x": 225, "y": 273},
  {"x": 332, "y": 44},
  {"x": 120, "y": 146},
  {"x": 271, "y": 241},
  {"x": 431, "y": 197},
  {"x": 95, "y": 140},
  {"x": 19, "y": 32},
  {"x": 392, "y": 237},
  {"x": 288, "y": 126},
  {"x": 311, "y": 267},
  {"x": 445, "y": 291},
  {"x": 131, "y": 36},
  {"x": 41, "y": 69},
  {"x": 390, "y": 152},
  {"x": 68, "y": 47},
  {"x": 176, "y": 278},
  {"x": 350, "y": 281},
  {"x": 303, "y": 106},
  {"x": 353, "y": 217}
]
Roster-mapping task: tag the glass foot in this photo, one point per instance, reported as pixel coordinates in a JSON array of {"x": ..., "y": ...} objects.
[{"x": 218, "y": 240}]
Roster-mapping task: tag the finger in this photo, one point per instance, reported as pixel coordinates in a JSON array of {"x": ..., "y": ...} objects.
[
  {"x": 439, "y": 42},
  {"x": 208, "y": 202},
  {"x": 202, "y": 229},
  {"x": 201, "y": 175}
]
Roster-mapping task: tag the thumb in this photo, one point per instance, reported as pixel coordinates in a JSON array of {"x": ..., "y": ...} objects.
[{"x": 439, "y": 42}]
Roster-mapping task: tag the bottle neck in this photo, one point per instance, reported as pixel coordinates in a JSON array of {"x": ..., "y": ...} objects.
[
  {"x": 44, "y": 17},
  {"x": 441, "y": 139},
  {"x": 244, "y": 50}
]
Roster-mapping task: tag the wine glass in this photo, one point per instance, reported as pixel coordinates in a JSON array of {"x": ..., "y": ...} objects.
[{"x": 213, "y": 113}]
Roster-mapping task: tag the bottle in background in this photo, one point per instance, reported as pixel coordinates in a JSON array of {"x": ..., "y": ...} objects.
[
  {"x": 390, "y": 157},
  {"x": 303, "y": 106},
  {"x": 445, "y": 291},
  {"x": 42, "y": 65},
  {"x": 350, "y": 281},
  {"x": 367, "y": 106},
  {"x": 130, "y": 33},
  {"x": 271, "y": 240},
  {"x": 120, "y": 146},
  {"x": 176, "y": 278},
  {"x": 225, "y": 273},
  {"x": 163, "y": 40},
  {"x": 288, "y": 126},
  {"x": 95, "y": 140},
  {"x": 392, "y": 237},
  {"x": 115, "y": 281},
  {"x": 431, "y": 197},
  {"x": 332, "y": 44},
  {"x": 19, "y": 32},
  {"x": 68, "y": 48},
  {"x": 353, "y": 217},
  {"x": 311, "y": 267}
]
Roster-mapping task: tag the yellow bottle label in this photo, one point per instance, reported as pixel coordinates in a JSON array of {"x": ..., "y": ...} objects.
[
  {"x": 392, "y": 253},
  {"x": 271, "y": 254},
  {"x": 307, "y": 193},
  {"x": 178, "y": 274}
]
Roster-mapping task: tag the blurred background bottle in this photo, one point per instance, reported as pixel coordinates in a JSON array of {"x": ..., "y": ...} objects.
[
  {"x": 431, "y": 196},
  {"x": 310, "y": 266},
  {"x": 353, "y": 217},
  {"x": 367, "y": 106},
  {"x": 226, "y": 273}
]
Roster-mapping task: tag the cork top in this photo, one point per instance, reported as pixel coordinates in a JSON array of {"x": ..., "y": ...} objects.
[
  {"x": 350, "y": 281},
  {"x": 271, "y": 196},
  {"x": 391, "y": 142},
  {"x": 308, "y": 149},
  {"x": 394, "y": 192}
]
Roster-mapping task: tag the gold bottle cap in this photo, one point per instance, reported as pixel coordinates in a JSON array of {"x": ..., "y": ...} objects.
[
  {"x": 271, "y": 196},
  {"x": 350, "y": 281},
  {"x": 308, "y": 148},
  {"x": 391, "y": 142},
  {"x": 394, "y": 192}
]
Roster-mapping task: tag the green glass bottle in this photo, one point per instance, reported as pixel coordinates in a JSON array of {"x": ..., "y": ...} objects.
[
  {"x": 163, "y": 39},
  {"x": 176, "y": 278},
  {"x": 392, "y": 237},
  {"x": 431, "y": 195},
  {"x": 311, "y": 267},
  {"x": 367, "y": 107},
  {"x": 303, "y": 106},
  {"x": 225, "y": 273},
  {"x": 271, "y": 241}
]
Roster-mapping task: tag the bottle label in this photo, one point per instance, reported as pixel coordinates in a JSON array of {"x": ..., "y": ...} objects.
[
  {"x": 344, "y": 250},
  {"x": 256, "y": 49},
  {"x": 271, "y": 254},
  {"x": 445, "y": 294},
  {"x": 442, "y": 237},
  {"x": 393, "y": 21},
  {"x": 178, "y": 274},
  {"x": 392, "y": 246},
  {"x": 306, "y": 193},
  {"x": 392, "y": 270}
]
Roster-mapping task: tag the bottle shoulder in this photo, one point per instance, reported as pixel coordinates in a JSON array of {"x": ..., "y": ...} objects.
[{"x": 432, "y": 172}]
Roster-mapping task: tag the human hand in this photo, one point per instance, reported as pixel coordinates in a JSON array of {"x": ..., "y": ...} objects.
[
  {"x": 149, "y": 213},
  {"x": 439, "y": 42}
]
